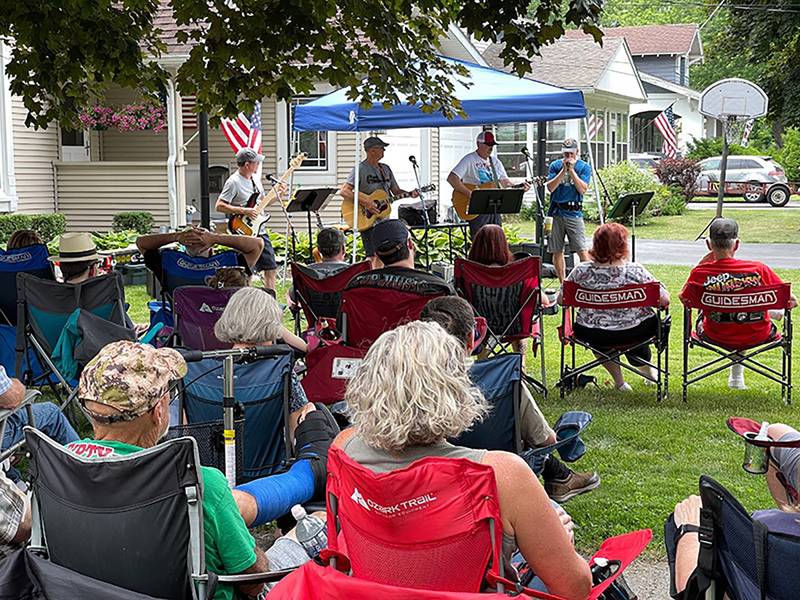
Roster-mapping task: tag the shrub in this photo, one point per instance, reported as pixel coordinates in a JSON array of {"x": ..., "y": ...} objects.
[
  {"x": 679, "y": 172},
  {"x": 789, "y": 156},
  {"x": 626, "y": 178},
  {"x": 139, "y": 221},
  {"x": 700, "y": 149},
  {"x": 48, "y": 226}
]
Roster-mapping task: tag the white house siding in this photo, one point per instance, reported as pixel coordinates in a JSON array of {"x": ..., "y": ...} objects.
[
  {"x": 691, "y": 124},
  {"x": 661, "y": 66},
  {"x": 91, "y": 193},
  {"x": 34, "y": 154}
]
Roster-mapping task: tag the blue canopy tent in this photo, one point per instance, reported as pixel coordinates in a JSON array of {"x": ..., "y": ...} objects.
[{"x": 492, "y": 97}]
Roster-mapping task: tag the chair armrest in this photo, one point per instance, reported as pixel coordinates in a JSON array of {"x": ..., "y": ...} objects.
[
  {"x": 265, "y": 577},
  {"x": 29, "y": 399}
]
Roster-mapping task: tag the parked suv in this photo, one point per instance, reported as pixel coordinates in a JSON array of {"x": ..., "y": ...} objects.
[{"x": 752, "y": 178}]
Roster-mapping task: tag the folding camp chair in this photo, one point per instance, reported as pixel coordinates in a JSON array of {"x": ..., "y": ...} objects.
[
  {"x": 508, "y": 297},
  {"x": 318, "y": 295},
  {"x": 367, "y": 312},
  {"x": 738, "y": 556},
  {"x": 636, "y": 295},
  {"x": 261, "y": 390},
  {"x": 328, "y": 369},
  {"x": 739, "y": 304},
  {"x": 44, "y": 308},
  {"x": 33, "y": 260},
  {"x": 5, "y": 413},
  {"x": 135, "y": 521},
  {"x": 196, "y": 310},
  {"x": 500, "y": 379},
  {"x": 179, "y": 269},
  {"x": 431, "y": 530}
]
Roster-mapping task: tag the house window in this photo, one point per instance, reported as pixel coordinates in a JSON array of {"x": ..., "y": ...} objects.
[
  {"x": 313, "y": 143},
  {"x": 510, "y": 138}
]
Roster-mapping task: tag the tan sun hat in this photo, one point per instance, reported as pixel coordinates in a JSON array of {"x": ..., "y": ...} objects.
[{"x": 75, "y": 247}]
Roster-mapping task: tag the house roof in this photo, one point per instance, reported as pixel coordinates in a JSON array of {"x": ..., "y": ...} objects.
[
  {"x": 649, "y": 39},
  {"x": 669, "y": 86},
  {"x": 567, "y": 63}
]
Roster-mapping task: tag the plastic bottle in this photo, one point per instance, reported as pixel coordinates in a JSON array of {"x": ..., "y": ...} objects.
[{"x": 311, "y": 533}]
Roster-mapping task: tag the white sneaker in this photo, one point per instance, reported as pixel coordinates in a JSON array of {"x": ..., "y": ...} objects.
[
  {"x": 625, "y": 387},
  {"x": 736, "y": 378},
  {"x": 648, "y": 371}
]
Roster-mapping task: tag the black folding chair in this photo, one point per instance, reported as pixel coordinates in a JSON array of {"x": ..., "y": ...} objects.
[
  {"x": 6, "y": 413},
  {"x": 135, "y": 521}
]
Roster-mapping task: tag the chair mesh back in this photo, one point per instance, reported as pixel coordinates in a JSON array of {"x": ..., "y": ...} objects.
[
  {"x": 197, "y": 310},
  {"x": 122, "y": 520},
  {"x": 783, "y": 577},
  {"x": 497, "y": 379},
  {"x": 425, "y": 526},
  {"x": 31, "y": 259},
  {"x": 505, "y": 296},
  {"x": 179, "y": 269},
  {"x": 318, "y": 294},
  {"x": 210, "y": 440},
  {"x": 259, "y": 388}
]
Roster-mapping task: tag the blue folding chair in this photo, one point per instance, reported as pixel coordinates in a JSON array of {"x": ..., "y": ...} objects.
[
  {"x": 179, "y": 269},
  {"x": 261, "y": 390},
  {"x": 500, "y": 379}
]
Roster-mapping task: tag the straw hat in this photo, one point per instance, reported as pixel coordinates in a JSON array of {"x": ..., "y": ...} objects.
[{"x": 75, "y": 247}]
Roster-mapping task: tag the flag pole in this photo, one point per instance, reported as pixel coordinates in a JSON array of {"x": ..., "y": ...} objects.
[{"x": 594, "y": 166}]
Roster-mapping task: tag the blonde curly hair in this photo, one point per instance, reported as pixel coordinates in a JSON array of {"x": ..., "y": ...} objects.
[{"x": 413, "y": 389}]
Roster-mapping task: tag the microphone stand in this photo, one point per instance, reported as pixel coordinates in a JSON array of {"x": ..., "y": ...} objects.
[
  {"x": 425, "y": 221},
  {"x": 539, "y": 199}
]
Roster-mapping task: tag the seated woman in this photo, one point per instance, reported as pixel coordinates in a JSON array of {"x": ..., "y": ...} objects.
[
  {"x": 783, "y": 482},
  {"x": 22, "y": 238},
  {"x": 609, "y": 269},
  {"x": 405, "y": 409}
]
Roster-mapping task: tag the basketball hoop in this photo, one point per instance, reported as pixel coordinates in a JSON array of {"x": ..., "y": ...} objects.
[{"x": 732, "y": 102}]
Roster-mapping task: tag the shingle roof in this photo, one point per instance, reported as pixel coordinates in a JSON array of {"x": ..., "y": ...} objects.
[
  {"x": 648, "y": 39},
  {"x": 567, "y": 63}
]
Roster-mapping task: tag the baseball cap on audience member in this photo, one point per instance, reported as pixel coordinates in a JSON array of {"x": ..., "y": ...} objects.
[
  {"x": 129, "y": 377},
  {"x": 374, "y": 142},
  {"x": 486, "y": 137},
  {"x": 569, "y": 145},
  {"x": 723, "y": 230},
  {"x": 246, "y": 155},
  {"x": 389, "y": 235}
]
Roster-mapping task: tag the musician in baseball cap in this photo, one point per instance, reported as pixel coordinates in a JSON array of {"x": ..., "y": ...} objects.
[{"x": 479, "y": 168}]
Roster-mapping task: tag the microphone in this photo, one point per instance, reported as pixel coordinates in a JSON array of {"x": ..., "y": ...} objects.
[
  {"x": 272, "y": 179},
  {"x": 412, "y": 160},
  {"x": 525, "y": 152}
]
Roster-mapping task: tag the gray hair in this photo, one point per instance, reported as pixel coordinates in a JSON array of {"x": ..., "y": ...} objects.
[
  {"x": 252, "y": 316},
  {"x": 413, "y": 389}
]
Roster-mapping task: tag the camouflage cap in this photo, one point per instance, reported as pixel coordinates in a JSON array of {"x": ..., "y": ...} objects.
[{"x": 129, "y": 377}]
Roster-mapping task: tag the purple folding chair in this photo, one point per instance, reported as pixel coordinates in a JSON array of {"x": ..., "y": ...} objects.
[{"x": 197, "y": 309}]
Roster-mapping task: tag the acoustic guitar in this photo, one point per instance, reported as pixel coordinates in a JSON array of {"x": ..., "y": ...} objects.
[
  {"x": 383, "y": 199},
  {"x": 461, "y": 202},
  {"x": 244, "y": 225}
]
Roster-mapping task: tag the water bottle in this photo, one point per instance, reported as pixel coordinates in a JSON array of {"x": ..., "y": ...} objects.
[{"x": 311, "y": 533}]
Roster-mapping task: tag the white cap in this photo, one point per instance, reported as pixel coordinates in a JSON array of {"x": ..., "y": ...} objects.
[{"x": 298, "y": 512}]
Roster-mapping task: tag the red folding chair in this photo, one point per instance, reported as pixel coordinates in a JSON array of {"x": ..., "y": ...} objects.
[
  {"x": 739, "y": 304},
  {"x": 636, "y": 295},
  {"x": 330, "y": 365},
  {"x": 431, "y": 530},
  {"x": 319, "y": 295},
  {"x": 508, "y": 297},
  {"x": 367, "y": 312}
]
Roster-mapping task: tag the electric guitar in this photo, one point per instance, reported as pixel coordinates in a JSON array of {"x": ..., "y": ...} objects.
[
  {"x": 383, "y": 199},
  {"x": 461, "y": 202},
  {"x": 244, "y": 225}
]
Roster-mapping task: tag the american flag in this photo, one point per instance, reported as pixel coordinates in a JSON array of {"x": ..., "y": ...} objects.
[
  {"x": 748, "y": 129},
  {"x": 595, "y": 124},
  {"x": 665, "y": 121},
  {"x": 244, "y": 132}
]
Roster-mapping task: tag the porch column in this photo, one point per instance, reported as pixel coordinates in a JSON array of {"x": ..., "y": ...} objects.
[
  {"x": 172, "y": 197},
  {"x": 180, "y": 162}
]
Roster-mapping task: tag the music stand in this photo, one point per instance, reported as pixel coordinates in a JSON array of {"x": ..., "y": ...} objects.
[
  {"x": 630, "y": 204},
  {"x": 309, "y": 201},
  {"x": 495, "y": 201}
]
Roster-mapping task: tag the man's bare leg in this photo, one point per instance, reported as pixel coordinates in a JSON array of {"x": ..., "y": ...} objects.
[
  {"x": 560, "y": 265},
  {"x": 268, "y": 277}
]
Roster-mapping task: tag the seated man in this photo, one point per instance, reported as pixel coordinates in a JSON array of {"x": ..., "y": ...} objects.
[
  {"x": 720, "y": 270},
  {"x": 331, "y": 246},
  {"x": 15, "y": 517},
  {"x": 198, "y": 243},
  {"x": 561, "y": 483},
  {"x": 77, "y": 257},
  {"x": 46, "y": 415},
  {"x": 783, "y": 482},
  {"x": 395, "y": 249}
]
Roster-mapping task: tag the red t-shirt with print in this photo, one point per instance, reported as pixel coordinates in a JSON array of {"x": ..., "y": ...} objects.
[{"x": 734, "y": 274}]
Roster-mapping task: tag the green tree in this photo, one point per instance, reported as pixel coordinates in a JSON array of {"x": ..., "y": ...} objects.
[{"x": 66, "y": 51}]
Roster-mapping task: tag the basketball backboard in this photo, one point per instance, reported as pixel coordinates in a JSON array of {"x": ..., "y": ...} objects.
[{"x": 733, "y": 98}]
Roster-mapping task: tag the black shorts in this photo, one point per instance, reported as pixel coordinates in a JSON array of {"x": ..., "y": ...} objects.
[{"x": 266, "y": 262}]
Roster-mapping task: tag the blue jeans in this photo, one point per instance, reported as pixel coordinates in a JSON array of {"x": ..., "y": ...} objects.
[{"x": 48, "y": 418}]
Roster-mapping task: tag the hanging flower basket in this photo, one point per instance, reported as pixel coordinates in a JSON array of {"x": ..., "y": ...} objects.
[{"x": 130, "y": 117}]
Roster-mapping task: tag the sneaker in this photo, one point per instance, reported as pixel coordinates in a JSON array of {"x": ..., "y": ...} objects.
[
  {"x": 562, "y": 490},
  {"x": 625, "y": 387},
  {"x": 312, "y": 438},
  {"x": 736, "y": 378}
]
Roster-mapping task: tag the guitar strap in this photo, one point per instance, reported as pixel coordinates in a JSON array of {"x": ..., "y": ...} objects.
[
  {"x": 384, "y": 181},
  {"x": 255, "y": 195},
  {"x": 492, "y": 170}
]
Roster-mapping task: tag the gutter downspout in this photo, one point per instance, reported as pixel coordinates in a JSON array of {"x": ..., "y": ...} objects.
[{"x": 172, "y": 193}]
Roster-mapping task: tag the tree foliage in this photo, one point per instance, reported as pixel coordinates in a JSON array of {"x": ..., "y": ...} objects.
[{"x": 65, "y": 51}]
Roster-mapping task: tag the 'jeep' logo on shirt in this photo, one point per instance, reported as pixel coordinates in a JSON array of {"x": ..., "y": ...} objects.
[
  {"x": 753, "y": 300},
  {"x": 630, "y": 296}
]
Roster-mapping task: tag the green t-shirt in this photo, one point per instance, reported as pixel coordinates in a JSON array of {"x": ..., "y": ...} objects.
[{"x": 230, "y": 548}]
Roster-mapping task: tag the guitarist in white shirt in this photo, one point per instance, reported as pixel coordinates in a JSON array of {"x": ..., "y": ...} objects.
[
  {"x": 480, "y": 167},
  {"x": 373, "y": 175},
  {"x": 239, "y": 189}
]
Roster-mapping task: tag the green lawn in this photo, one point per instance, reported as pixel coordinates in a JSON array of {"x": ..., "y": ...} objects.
[
  {"x": 650, "y": 455},
  {"x": 777, "y": 225}
]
